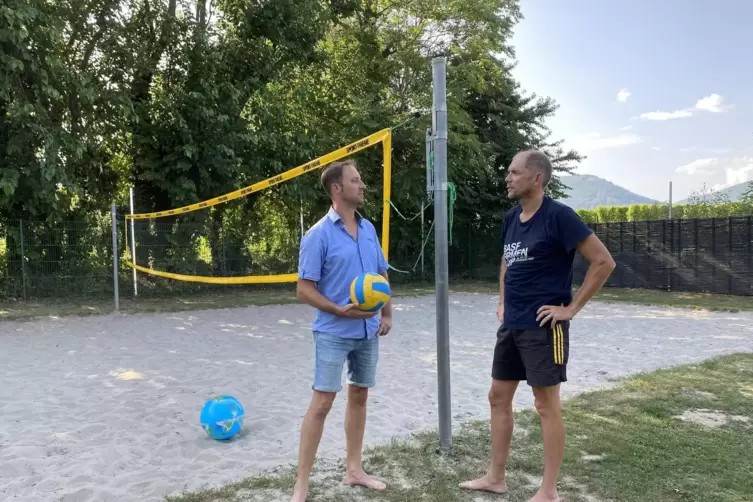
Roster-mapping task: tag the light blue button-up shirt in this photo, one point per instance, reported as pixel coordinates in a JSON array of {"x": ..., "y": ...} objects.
[{"x": 332, "y": 258}]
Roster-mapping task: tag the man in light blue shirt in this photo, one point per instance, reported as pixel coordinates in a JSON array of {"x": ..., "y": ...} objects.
[{"x": 338, "y": 248}]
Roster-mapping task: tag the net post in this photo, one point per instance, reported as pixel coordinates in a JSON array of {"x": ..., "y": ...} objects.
[
  {"x": 113, "y": 212},
  {"x": 133, "y": 248},
  {"x": 386, "y": 194},
  {"x": 439, "y": 123}
]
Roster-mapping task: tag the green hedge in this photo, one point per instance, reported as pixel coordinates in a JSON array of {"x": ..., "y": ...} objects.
[{"x": 642, "y": 212}]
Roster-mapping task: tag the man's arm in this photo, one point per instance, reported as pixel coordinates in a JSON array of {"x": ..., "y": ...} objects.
[
  {"x": 307, "y": 293},
  {"x": 574, "y": 234},
  {"x": 601, "y": 265},
  {"x": 502, "y": 272},
  {"x": 387, "y": 308}
]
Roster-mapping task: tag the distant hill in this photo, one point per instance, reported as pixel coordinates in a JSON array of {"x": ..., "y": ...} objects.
[
  {"x": 733, "y": 193},
  {"x": 588, "y": 192}
]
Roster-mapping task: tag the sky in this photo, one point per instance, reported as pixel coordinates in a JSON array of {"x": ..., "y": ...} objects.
[{"x": 649, "y": 91}]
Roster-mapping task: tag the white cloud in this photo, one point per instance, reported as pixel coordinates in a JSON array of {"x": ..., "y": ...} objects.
[
  {"x": 718, "y": 151},
  {"x": 741, "y": 171},
  {"x": 699, "y": 167},
  {"x": 595, "y": 141},
  {"x": 626, "y": 128},
  {"x": 711, "y": 103},
  {"x": 677, "y": 114},
  {"x": 623, "y": 95},
  {"x": 736, "y": 170},
  {"x": 656, "y": 148}
]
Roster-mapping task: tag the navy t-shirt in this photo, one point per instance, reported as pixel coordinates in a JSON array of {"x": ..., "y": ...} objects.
[{"x": 539, "y": 254}]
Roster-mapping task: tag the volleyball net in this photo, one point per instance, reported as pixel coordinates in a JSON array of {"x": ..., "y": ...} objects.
[{"x": 252, "y": 235}]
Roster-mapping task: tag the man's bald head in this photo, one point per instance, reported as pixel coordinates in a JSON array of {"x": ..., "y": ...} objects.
[
  {"x": 529, "y": 173},
  {"x": 538, "y": 162}
]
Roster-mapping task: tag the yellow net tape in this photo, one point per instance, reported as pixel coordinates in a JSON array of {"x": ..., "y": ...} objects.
[
  {"x": 248, "y": 279},
  {"x": 274, "y": 180},
  {"x": 384, "y": 136}
]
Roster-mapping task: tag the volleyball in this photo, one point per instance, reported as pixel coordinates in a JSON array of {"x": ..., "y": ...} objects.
[{"x": 370, "y": 291}]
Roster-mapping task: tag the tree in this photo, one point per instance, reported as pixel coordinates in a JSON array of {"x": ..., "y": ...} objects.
[
  {"x": 189, "y": 100},
  {"x": 747, "y": 196},
  {"x": 706, "y": 196}
]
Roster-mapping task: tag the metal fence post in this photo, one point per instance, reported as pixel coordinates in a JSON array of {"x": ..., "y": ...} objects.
[
  {"x": 730, "y": 283},
  {"x": 133, "y": 249},
  {"x": 750, "y": 254},
  {"x": 23, "y": 258},
  {"x": 113, "y": 211}
]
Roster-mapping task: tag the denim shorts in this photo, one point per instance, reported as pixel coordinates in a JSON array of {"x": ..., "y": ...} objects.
[{"x": 331, "y": 352}]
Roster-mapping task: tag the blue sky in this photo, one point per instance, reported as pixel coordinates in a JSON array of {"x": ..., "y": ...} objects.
[{"x": 686, "y": 66}]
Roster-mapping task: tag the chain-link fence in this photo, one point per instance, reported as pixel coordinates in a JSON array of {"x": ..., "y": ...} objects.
[
  {"x": 74, "y": 259},
  {"x": 38, "y": 260}
]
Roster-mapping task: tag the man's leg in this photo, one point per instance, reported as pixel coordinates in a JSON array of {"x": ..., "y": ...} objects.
[
  {"x": 545, "y": 353},
  {"x": 311, "y": 435},
  {"x": 362, "y": 364},
  {"x": 330, "y": 355},
  {"x": 507, "y": 371},
  {"x": 502, "y": 422},
  {"x": 547, "y": 401}
]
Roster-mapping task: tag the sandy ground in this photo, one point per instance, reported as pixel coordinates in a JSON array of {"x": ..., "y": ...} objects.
[{"x": 107, "y": 408}]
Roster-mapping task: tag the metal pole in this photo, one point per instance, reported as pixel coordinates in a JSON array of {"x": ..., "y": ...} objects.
[
  {"x": 670, "y": 200},
  {"x": 429, "y": 191},
  {"x": 23, "y": 258},
  {"x": 439, "y": 125},
  {"x": 113, "y": 212},
  {"x": 133, "y": 251},
  {"x": 422, "y": 243}
]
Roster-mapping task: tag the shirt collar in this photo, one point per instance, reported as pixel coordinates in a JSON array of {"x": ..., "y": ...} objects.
[{"x": 335, "y": 217}]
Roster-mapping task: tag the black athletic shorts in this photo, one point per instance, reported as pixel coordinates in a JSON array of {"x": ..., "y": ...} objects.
[{"x": 538, "y": 355}]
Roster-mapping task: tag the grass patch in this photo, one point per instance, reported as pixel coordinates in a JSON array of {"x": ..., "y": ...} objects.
[
  {"x": 697, "y": 301},
  {"x": 640, "y": 441},
  {"x": 231, "y": 297}
]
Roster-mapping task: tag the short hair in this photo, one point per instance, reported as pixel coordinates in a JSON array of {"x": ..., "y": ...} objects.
[
  {"x": 537, "y": 161},
  {"x": 333, "y": 173}
]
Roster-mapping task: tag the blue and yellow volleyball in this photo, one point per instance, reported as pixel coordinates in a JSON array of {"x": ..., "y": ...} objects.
[{"x": 370, "y": 291}]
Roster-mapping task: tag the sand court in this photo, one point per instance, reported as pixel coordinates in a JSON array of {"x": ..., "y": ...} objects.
[{"x": 107, "y": 408}]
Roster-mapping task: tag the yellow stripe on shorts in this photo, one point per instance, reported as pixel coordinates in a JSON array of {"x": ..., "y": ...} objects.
[
  {"x": 558, "y": 340},
  {"x": 555, "y": 344}
]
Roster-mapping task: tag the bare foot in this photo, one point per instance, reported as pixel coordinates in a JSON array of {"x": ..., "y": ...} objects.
[
  {"x": 299, "y": 494},
  {"x": 363, "y": 479},
  {"x": 485, "y": 484},
  {"x": 544, "y": 497}
]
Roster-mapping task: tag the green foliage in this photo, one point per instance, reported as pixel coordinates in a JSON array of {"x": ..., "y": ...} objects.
[
  {"x": 644, "y": 212},
  {"x": 185, "y": 101},
  {"x": 747, "y": 195}
]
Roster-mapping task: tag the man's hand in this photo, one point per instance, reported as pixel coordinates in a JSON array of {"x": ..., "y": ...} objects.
[
  {"x": 501, "y": 311},
  {"x": 351, "y": 310},
  {"x": 554, "y": 314},
  {"x": 385, "y": 325}
]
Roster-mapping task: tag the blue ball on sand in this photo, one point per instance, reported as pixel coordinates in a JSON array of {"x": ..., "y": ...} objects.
[{"x": 222, "y": 417}]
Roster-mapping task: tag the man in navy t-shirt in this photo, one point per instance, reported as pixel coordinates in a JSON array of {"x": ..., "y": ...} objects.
[{"x": 540, "y": 237}]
